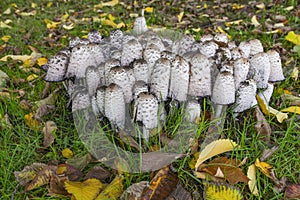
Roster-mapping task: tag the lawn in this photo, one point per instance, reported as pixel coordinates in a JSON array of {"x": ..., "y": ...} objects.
[{"x": 45, "y": 27}]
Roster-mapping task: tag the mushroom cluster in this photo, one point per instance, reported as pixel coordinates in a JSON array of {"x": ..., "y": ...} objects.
[{"x": 143, "y": 69}]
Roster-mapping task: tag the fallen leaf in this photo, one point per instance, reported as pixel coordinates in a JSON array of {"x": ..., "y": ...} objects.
[
  {"x": 22, "y": 58},
  {"x": 32, "y": 77},
  {"x": 156, "y": 160},
  {"x": 109, "y": 3},
  {"x": 149, "y": 9},
  {"x": 254, "y": 21},
  {"x": 295, "y": 73},
  {"x": 251, "y": 174},
  {"x": 128, "y": 139},
  {"x": 134, "y": 191},
  {"x": 162, "y": 185},
  {"x": 180, "y": 16},
  {"x": 293, "y": 191},
  {"x": 292, "y": 109},
  {"x": 7, "y": 11},
  {"x": 267, "y": 110},
  {"x": 236, "y": 6},
  {"x": 86, "y": 190},
  {"x": 50, "y": 100},
  {"x": 222, "y": 167},
  {"x": 4, "y": 25},
  {"x": 108, "y": 22},
  {"x": 179, "y": 194},
  {"x": 67, "y": 153},
  {"x": 48, "y": 130},
  {"x": 29, "y": 173},
  {"x": 81, "y": 162},
  {"x": 113, "y": 191},
  {"x": 262, "y": 126},
  {"x": 4, "y": 78},
  {"x": 42, "y": 61},
  {"x": 42, "y": 178},
  {"x": 69, "y": 171},
  {"x": 217, "y": 191},
  {"x": 264, "y": 167},
  {"x": 57, "y": 186},
  {"x": 292, "y": 37},
  {"x": 43, "y": 110},
  {"x": 99, "y": 173},
  {"x": 215, "y": 148},
  {"x": 5, "y": 38},
  {"x": 267, "y": 153},
  {"x": 69, "y": 27},
  {"x": 51, "y": 24},
  {"x": 31, "y": 122}
]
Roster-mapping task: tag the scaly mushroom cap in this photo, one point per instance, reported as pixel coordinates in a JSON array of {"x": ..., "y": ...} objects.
[
  {"x": 245, "y": 95},
  {"x": 156, "y": 41},
  {"x": 224, "y": 89},
  {"x": 116, "y": 39},
  {"x": 245, "y": 49},
  {"x": 92, "y": 79},
  {"x": 200, "y": 78},
  {"x": 56, "y": 68},
  {"x": 267, "y": 93},
  {"x": 100, "y": 99},
  {"x": 115, "y": 105},
  {"x": 151, "y": 55},
  {"x": 160, "y": 77},
  {"x": 255, "y": 47},
  {"x": 94, "y": 36},
  {"x": 185, "y": 44},
  {"x": 140, "y": 26},
  {"x": 119, "y": 76},
  {"x": 110, "y": 63},
  {"x": 132, "y": 50},
  {"x": 236, "y": 53},
  {"x": 208, "y": 49},
  {"x": 179, "y": 83},
  {"x": 276, "y": 73},
  {"x": 221, "y": 39},
  {"x": 80, "y": 99},
  {"x": 206, "y": 38},
  {"x": 192, "y": 110},
  {"x": 260, "y": 69},
  {"x": 241, "y": 68},
  {"x": 139, "y": 87},
  {"x": 140, "y": 70}
]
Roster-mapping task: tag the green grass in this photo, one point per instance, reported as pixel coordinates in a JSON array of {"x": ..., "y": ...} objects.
[{"x": 21, "y": 146}]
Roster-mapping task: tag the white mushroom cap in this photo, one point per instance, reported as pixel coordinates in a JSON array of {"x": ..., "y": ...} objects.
[
  {"x": 139, "y": 87},
  {"x": 245, "y": 48},
  {"x": 116, "y": 38},
  {"x": 224, "y": 89},
  {"x": 255, "y": 47},
  {"x": 206, "y": 38},
  {"x": 131, "y": 51},
  {"x": 231, "y": 45},
  {"x": 160, "y": 78},
  {"x": 92, "y": 79},
  {"x": 267, "y": 93},
  {"x": 235, "y": 53},
  {"x": 241, "y": 68},
  {"x": 100, "y": 99},
  {"x": 105, "y": 69},
  {"x": 245, "y": 95},
  {"x": 151, "y": 55},
  {"x": 179, "y": 79},
  {"x": 276, "y": 73},
  {"x": 115, "y": 105},
  {"x": 192, "y": 110},
  {"x": 80, "y": 99},
  {"x": 140, "y": 25},
  {"x": 221, "y": 39},
  {"x": 141, "y": 70},
  {"x": 56, "y": 67},
  {"x": 94, "y": 36},
  {"x": 200, "y": 77},
  {"x": 185, "y": 44},
  {"x": 260, "y": 69},
  {"x": 208, "y": 49}
]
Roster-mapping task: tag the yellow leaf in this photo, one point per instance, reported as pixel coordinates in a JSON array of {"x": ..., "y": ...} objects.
[
  {"x": 193, "y": 161},
  {"x": 295, "y": 73},
  {"x": 180, "y": 16},
  {"x": 224, "y": 192},
  {"x": 215, "y": 148},
  {"x": 205, "y": 6},
  {"x": 264, "y": 167},
  {"x": 120, "y": 25},
  {"x": 51, "y": 24},
  {"x": 111, "y": 17},
  {"x": 33, "y": 5},
  {"x": 24, "y": 14},
  {"x": 268, "y": 110},
  {"x": 69, "y": 27},
  {"x": 7, "y": 11},
  {"x": 67, "y": 153},
  {"x": 236, "y": 22},
  {"x": 86, "y": 190},
  {"x": 4, "y": 25},
  {"x": 292, "y": 109},
  {"x": 113, "y": 191},
  {"x": 108, "y": 22},
  {"x": 236, "y": 6},
  {"x": 32, "y": 77},
  {"x": 251, "y": 174},
  {"x": 65, "y": 16},
  {"x": 49, "y": 4},
  {"x": 5, "y": 38},
  {"x": 292, "y": 37},
  {"x": 149, "y": 9},
  {"x": 42, "y": 61},
  {"x": 31, "y": 122},
  {"x": 254, "y": 21},
  {"x": 109, "y": 3},
  {"x": 220, "y": 30},
  {"x": 14, "y": 5}
]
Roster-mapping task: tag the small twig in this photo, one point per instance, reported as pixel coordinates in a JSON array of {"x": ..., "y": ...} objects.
[{"x": 14, "y": 192}]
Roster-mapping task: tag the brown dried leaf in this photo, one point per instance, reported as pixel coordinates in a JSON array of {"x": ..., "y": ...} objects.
[
  {"x": 155, "y": 160},
  {"x": 69, "y": 171},
  {"x": 267, "y": 153},
  {"x": 134, "y": 191},
  {"x": 227, "y": 167},
  {"x": 293, "y": 191},
  {"x": 43, "y": 110},
  {"x": 162, "y": 185},
  {"x": 127, "y": 139},
  {"x": 179, "y": 194},
  {"x": 29, "y": 173},
  {"x": 99, "y": 173},
  {"x": 48, "y": 130},
  {"x": 81, "y": 162},
  {"x": 57, "y": 186},
  {"x": 262, "y": 126}
]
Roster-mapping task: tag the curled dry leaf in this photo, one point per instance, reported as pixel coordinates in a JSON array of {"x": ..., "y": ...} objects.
[
  {"x": 292, "y": 109},
  {"x": 50, "y": 100},
  {"x": 29, "y": 173},
  {"x": 215, "y": 148},
  {"x": 99, "y": 173},
  {"x": 179, "y": 194},
  {"x": 69, "y": 171},
  {"x": 48, "y": 130},
  {"x": 162, "y": 185},
  {"x": 264, "y": 167},
  {"x": 43, "y": 110},
  {"x": 86, "y": 190},
  {"x": 57, "y": 186},
  {"x": 262, "y": 126},
  {"x": 134, "y": 191},
  {"x": 113, "y": 191},
  {"x": 81, "y": 162},
  {"x": 251, "y": 174}
]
